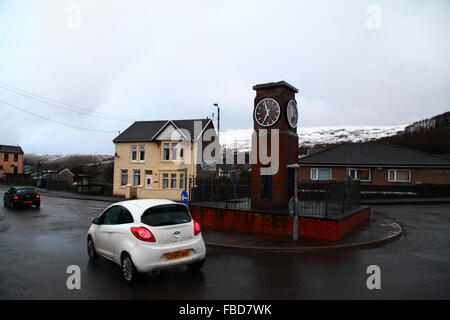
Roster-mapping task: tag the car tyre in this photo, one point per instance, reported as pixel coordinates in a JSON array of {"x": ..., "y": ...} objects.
[
  {"x": 129, "y": 271},
  {"x": 37, "y": 205},
  {"x": 196, "y": 265},
  {"x": 91, "y": 249}
]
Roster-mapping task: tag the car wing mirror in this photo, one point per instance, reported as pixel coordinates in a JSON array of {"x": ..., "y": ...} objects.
[{"x": 96, "y": 220}]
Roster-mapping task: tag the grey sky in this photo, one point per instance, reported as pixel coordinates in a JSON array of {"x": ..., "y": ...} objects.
[{"x": 151, "y": 60}]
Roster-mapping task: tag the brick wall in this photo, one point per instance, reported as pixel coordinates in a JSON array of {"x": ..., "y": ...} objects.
[
  {"x": 380, "y": 176},
  {"x": 316, "y": 228}
]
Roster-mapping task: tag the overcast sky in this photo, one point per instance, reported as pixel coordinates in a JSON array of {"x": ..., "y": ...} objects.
[{"x": 354, "y": 63}]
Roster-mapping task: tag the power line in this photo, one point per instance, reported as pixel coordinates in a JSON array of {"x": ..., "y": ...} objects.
[
  {"x": 52, "y": 120},
  {"x": 52, "y": 102}
]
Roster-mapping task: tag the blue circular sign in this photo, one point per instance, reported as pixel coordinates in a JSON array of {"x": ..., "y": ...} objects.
[{"x": 184, "y": 197}]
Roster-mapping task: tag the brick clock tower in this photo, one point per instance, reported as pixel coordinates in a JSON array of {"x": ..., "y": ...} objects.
[{"x": 275, "y": 108}]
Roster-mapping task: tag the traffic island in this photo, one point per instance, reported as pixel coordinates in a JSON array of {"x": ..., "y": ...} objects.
[{"x": 373, "y": 232}]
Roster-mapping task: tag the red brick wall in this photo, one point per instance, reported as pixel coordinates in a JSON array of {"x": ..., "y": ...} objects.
[
  {"x": 278, "y": 225},
  {"x": 380, "y": 176}
]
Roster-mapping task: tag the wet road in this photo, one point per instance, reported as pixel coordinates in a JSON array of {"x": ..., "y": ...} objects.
[{"x": 37, "y": 246}]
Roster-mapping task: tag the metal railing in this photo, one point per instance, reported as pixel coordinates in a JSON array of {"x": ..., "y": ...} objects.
[
  {"x": 318, "y": 199},
  {"x": 326, "y": 199}
]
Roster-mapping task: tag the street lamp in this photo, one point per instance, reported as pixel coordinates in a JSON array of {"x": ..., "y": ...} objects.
[{"x": 218, "y": 135}]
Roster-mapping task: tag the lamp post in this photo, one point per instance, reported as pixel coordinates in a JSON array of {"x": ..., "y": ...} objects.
[
  {"x": 295, "y": 225},
  {"x": 218, "y": 135}
]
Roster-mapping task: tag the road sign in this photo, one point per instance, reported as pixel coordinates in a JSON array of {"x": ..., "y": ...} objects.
[
  {"x": 292, "y": 207},
  {"x": 184, "y": 197}
]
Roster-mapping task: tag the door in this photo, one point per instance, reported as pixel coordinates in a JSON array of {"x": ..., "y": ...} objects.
[
  {"x": 104, "y": 233},
  {"x": 148, "y": 181}
]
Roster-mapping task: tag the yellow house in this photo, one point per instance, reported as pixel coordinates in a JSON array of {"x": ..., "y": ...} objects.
[
  {"x": 11, "y": 160},
  {"x": 156, "y": 159}
]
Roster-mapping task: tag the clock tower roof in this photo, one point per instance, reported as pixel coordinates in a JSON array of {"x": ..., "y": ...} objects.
[{"x": 275, "y": 85}]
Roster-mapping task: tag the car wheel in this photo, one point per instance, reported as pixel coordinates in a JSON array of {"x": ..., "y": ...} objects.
[
  {"x": 37, "y": 205},
  {"x": 91, "y": 249},
  {"x": 197, "y": 265},
  {"x": 129, "y": 271}
]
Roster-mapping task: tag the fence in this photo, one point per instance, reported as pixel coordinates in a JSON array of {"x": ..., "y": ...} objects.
[
  {"x": 58, "y": 185},
  {"x": 319, "y": 199},
  {"x": 325, "y": 199}
]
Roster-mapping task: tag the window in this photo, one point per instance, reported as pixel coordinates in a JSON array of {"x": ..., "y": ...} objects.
[
  {"x": 133, "y": 153},
  {"x": 359, "y": 174},
  {"x": 111, "y": 216},
  {"x": 125, "y": 216},
  {"x": 16, "y": 157},
  {"x": 166, "y": 215},
  {"x": 15, "y": 170},
  {"x": 320, "y": 174},
  {"x": 182, "y": 154},
  {"x": 123, "y": 177},
  {"x": 397, "y": 175},
  {"x": 141, "y": 153},
  {"x": 181, "y": 180},
  {"x": 137, "y": 178},
  {"x": 173, "y": 181},
  {"x": 6, "y": 157},
  {"x": 174, "y": 151},
  {"x": 166, "y": 151},
  {"x": 165, "y": 181}
]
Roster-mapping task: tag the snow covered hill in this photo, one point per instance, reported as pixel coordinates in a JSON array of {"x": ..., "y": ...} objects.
[{"x": 241, "y": 138}]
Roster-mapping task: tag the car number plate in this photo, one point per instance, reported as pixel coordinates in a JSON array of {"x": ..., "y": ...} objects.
[
  {"x": 177, "y": 254},
  {"x": 26, "y": 202}
]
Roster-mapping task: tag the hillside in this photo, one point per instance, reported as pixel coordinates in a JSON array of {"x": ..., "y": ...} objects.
[
  {"x": 315, "y": 136},
  {"x": 429, "y": 135},
  {"x": 56, "y": 161}
]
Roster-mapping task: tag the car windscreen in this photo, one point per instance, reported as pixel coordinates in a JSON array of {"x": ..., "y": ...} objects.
[
  {"x": 166, "y": 215},
  {"x": 26, "y": 190}
]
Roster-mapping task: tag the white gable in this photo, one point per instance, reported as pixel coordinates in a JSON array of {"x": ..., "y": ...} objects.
[{"x": 169, "y": 133}]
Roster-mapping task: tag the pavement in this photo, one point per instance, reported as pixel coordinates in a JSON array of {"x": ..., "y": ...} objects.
[{"x": 377, "y": 231}]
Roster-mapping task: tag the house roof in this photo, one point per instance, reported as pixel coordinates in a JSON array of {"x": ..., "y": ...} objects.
[
  {"x": 67, "y": 171},
  {"x": 11, "y": 149},
  {"x": 373, "y": 154},
  {"x": 148, "y": 130}
]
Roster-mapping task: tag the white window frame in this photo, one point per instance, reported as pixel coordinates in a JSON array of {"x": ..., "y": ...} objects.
[
  {"x": 181, "y": 183},
  {"x": 395, "y": 175},
  {"x": 136, "y": 176},
  {"x": 163, "y": 151},
  {"x": 356, "y": 169},
  {"x": 134, "y": 151},
  {"x": 173, "y": 178},
  {"x": 165, "y": 179},
  {"x": 173, "y": 151},
  {"x": 123, "y": 172},
  {"x": 316, "y": 178},
  {"x": 142, "y": 149}
]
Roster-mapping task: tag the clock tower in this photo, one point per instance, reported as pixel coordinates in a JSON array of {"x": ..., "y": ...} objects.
[{"x": 275, "y": 113}]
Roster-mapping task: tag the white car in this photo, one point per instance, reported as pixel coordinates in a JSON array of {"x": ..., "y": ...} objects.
[{"x": 146, "y": 235}]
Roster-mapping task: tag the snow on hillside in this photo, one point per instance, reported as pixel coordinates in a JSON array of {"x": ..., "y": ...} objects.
[
  {"x": 241, "y": 138},
  {"x": 58, "y": 158}
]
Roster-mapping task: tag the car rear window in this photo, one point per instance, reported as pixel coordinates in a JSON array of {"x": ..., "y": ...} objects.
[
  {"x": 166, "y": 215},
  {"x": 26, "y": 190}
]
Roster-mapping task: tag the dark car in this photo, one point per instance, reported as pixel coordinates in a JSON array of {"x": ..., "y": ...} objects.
[{"x": 19, "y": 196}]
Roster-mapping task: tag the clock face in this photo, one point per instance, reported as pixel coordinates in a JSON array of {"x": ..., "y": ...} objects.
[
  {"x": 267, "y": 112},
  {"x": 292, "y": 113}
]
